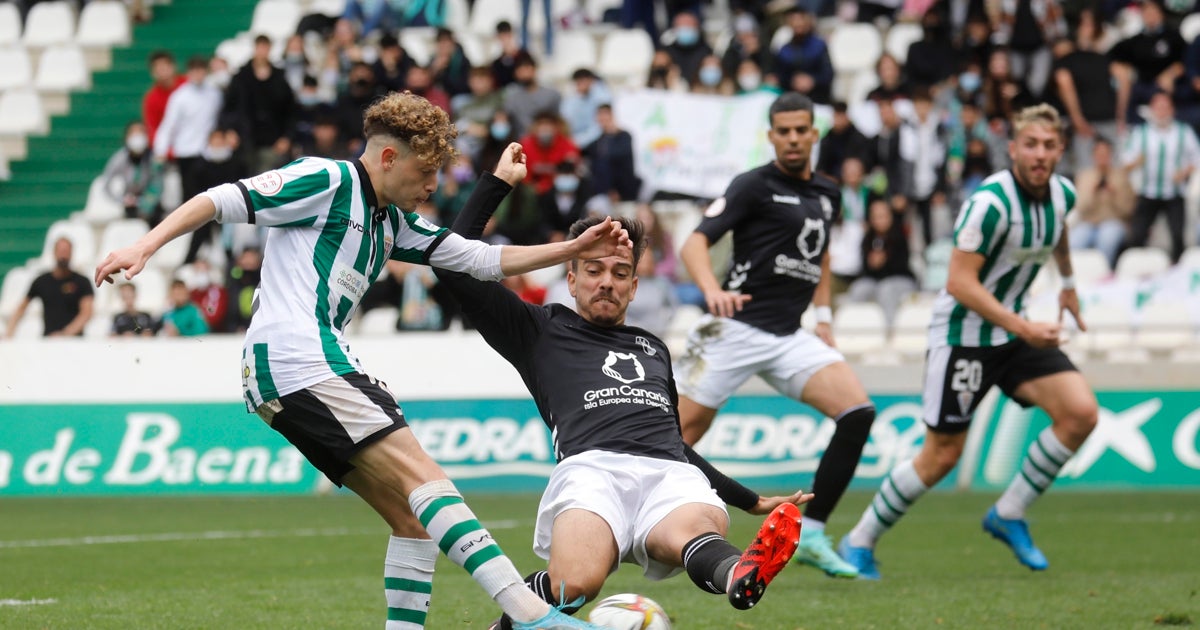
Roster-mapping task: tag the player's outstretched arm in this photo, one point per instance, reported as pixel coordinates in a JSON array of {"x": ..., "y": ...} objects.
[
  {"x": 766, "y": 504},
  {"x": 604, "y": 239},
  {"x": 191, "y": 215},
  {"x": 964, "y": 286},
  {"x": 698, "y": 262}
]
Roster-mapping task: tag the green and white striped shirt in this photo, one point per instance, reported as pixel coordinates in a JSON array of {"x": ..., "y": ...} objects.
[
  {"x": 1016, "y": 235},
  {"x": 1164, "y": 152},
  {"x": 329, "y": 243}
]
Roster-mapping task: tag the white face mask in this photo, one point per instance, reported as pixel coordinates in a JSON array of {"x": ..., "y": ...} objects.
[
  {"x": 217, "y": 154},
  {"x": 220, "y": 79},
  {"x": 137, "y": 143},
  {"x": 749, "y": 81}
]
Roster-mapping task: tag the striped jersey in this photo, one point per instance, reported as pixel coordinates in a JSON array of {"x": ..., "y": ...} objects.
[
  {"x": 1016, "y": 234},
  {"x": 1164, "y": 152},
  {"x": 329, "y": 243}
]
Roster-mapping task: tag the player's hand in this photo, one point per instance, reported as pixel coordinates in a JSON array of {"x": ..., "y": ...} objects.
[
  {"x": 1041, "y": 334},
  {"x": 1068, "y": 301},
  {"x": 130, "y": 259},
  {"x": 512, "y": 167},
  {"x": 607, "y": 238},
  {"x": 766, "y": 504},
  {"x": 725, "y": 303},
  {"x": 824, "y": 332}
]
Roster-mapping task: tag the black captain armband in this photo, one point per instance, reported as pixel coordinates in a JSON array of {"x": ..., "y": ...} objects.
[{"x": 728, "y": 489}]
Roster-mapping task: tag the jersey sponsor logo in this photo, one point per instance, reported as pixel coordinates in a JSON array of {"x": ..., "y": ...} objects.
[
  {"x": 788, "y": 199},
  {"x": 353, "y": 224},
  {"x": 969, "y": 239},
  {"x": 738, "y": 274},
  {"x": 645, "y": 344},
  {"x": 613, "y": 367},
  {"x": 267, "y": 183},
  {"x": 715, "y": 208},
  {"x": 797, "y": 268},
  {"x": 347, "y": 281},
  {"x": 812, "y": 237}
]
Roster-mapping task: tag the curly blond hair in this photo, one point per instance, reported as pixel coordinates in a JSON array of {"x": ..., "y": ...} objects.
[
  {"x": 1039, "y": 114},
  {"x": 417, "y": 123}
]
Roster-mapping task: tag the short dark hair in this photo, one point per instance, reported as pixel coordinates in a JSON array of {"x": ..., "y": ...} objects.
[
  {"x": 389, "y": 41},
  {"x": 504, "y": 26},
  {"x": 790, "y": 102},
  {"x": 136, "y": 121},
  {"x": 164, "y": 55},
  {"x": 605, "y": 107},
  {"x": 197, "y": 62},
  {"x": 637, "y": 234},
  {"x": 523, "y": 58},
  {"x": 178, "y": 283},
  {"x": 839, "y": 107},
  {"x": 262, "y": 39},
  {"x": 443, "y": 33},
  {"x": 583, "y": 73}
]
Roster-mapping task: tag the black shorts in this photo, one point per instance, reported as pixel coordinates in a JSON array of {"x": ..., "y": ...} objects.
[
  {"x": 958, "y": 377},
  {"x": 330, "y": 422}
]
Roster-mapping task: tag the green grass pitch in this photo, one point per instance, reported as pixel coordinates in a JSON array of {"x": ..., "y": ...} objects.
[{"x": 1117, "y": 560}]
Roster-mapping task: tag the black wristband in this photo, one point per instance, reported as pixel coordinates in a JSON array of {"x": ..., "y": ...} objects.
[{"x": 730, "y": 491}]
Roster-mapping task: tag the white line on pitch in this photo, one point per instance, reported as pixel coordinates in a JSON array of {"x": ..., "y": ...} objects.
[
  {"x": 27, "y": 602},
  {"x": 125, "y": 539}
]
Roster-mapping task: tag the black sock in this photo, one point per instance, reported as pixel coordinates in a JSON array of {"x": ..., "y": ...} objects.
[
  {"x": 539, "y": 583},
  {"x": 708, "y": 559},
  {"x": 839, "y": 461}
]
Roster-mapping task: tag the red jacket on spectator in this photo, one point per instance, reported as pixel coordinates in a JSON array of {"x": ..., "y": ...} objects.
[
  {"x": 542, "y": 161},
  {"x": 154, "y": 106}
]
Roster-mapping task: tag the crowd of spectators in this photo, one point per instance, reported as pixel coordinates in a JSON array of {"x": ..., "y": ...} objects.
[{"x": 931, "y": 130}]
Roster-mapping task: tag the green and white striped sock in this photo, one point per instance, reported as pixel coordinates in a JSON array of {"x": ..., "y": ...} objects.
[
  {"x": 1045, "y": 457},
  {"x": 900, "y": 489},
  {"x": 408, "y": 581},
  {"x": 450, "y": 523}
]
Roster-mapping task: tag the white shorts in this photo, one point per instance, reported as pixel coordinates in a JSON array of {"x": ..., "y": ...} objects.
[
  {"x": 724, "y": 353},
  {"x": 631, "y": 493}
]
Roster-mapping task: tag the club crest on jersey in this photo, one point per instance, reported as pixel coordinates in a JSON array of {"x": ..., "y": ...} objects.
[
  {"x": 645, "y": 344},
  {"x": 618, "y": 365},
  {"x": 812, "y": 237},
  {"x": 964, "y": 401},
  {"x": 267, "y": 183}
]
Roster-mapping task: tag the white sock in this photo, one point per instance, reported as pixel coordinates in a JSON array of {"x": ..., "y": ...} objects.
[
  {"x": 1045, "y": 457},
  {"x": 812, "y": 527},
  {"x": 466, "y": 543},
  {"x": 900, "y": 489},
  {"x": 408, "y": 581}
]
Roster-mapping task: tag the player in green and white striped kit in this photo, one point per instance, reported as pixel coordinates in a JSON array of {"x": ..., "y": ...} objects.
[
  {"x": 1012, "y": 225},
  {"x": 335, "y": 225}
]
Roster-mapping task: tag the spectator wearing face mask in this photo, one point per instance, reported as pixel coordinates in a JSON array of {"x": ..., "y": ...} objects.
[
  {"x": 295, "y": 63},
  {"x": 500, "y": 135},
  {"x": 525, "y": 98},
  {"x": 688, "y": 49},
  {"x": 504, "y": 67},
  {"x": 565, "y": 203},
  {"x": 449, "y": 65},
  {"x": 710, "y": 79},
  {"x": 191, "y": 114},
  {"x": 391, "y": 68},
  {"x": 132, "y": 179},
  {"x": 664, "y": 74},
  {"x": 746, "y": 46},
  {"x": 473, "y": 111},
  {"x": 546, "y": 147},
  {"x": 457, "y": 183},
  {"x": 360, "y": 92},
  {"x": 749, "y": 79},
  {"x": 310, "y": 105},
  {"x": 240, "y": 285},
  {"x": 219, "y": 163}
]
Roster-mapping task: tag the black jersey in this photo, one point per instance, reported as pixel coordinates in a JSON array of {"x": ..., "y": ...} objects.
[{"x": 781, "y": 228}]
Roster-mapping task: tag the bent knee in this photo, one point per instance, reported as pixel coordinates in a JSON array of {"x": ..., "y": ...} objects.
[
  {"x": 1080, "y": 418},
  {"x": 574, "y": 587}
]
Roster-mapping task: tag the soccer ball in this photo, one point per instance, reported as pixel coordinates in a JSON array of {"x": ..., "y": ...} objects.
[{"x": 630, "y": 611}]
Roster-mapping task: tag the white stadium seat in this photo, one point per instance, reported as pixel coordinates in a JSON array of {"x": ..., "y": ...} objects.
[
  {"x": 379, "y": 322},
  {"x": 572, "y": 50},
  {"x": 15, "y": 286},
  {"x": 1190, "y": 258},
  {"x": 16, "y": 70},
  {"x": 859, "y": 327},
  {"x": 236, "y": 51},
  {"x": 21, "y": 114},
  {"x": 170, "y": 257},
  {"x": 1108, "y": 327},
  {"x": 476, "y": 48},
  {"x": 1190, "y": 27},
  {"x": 103, "y": 23},
  {"x": 10, "y": 24},
  {"x": 781, "y": 37},
  {"x": 485, "y": 15},
  {"x": 152, "y": 292},
  {"x": 1090, "y": 266},
  {"x": 331, "y": 8},
  {"x": 900, "y": 37},
  {"x": 910, "y": 330},
  {"x": 1137, "y": 263},
  {"x": 83, "y": 244},
  {"x": 276, "y": 19},
  {"x": 49, "y": 23},
  {"x": 418, "y": 43},
  {"x": 62, "y": 69},
  {"x": 1164, "y": 327},
  {"x": 625, "y": 56},
  {"x": 595, "y": 8},
  {"x": 854, "y": 47},
  {"x": 458, "y": 16},
  {"x": 122, "y": 233},
  {"x": 101, "y": 207}
]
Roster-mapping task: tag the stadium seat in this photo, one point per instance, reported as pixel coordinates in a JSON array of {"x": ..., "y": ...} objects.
[
  {"x": 15, "y": 286},
  {"x": 1090, "y": 267},
  {"x": 537, "y": 19},
  {"x": 276, "y": 19},
  {"x": 854, "y": 47},
  {"x": 1108, "y": 327},
  {"x": 485, "y": 15},
  {"x": 910, "y": 330},
  {"x": 49, "y": 23},
  {"x": 16, "y": 70},
  {"x": 1190, "y": 258},
  {"x": 900, "y": 37},
  {"x": 458, "y": 16},
  {"x": 625, "y": 56},
  {"x": 98, "y": 327},
  {"x": 1137, "y": 263},
  {"x": 859, "y": 328},
  {"x": 781, "y": 37},
  {"x": 682, "y": 321},
  {"x": 151, "y": 286},
  {"x": 596, "y": 8},
  {"x": 5, "y": 173},
  {"x": 171, "y": 256},
  {"x": 330, "y": 8},
  {"x": 1190, "y": 27},
  {"x": 62, "y": 69},
  {"x": 122, "y": 233},
  {"x": 477, "y": 52},
  {"x": 379, "y": 322},
  {"x": 10, "y": 24},
  {"x": 1129, "y": 22},
  {"x": 418, "y": 43},
  {"x": 236, "y": 51},
  {"x": 30, "y": 326},
  {"x": 103, "y": 23},
  {"x": 83, "y": 244},
  {"x": 937, "y": 264},
  {"x": 21, "y": 114},
  {"x": 572, "y": 50},
  {"x": 100, "y": 207},
  {"x": 1164, "y": 327}
]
